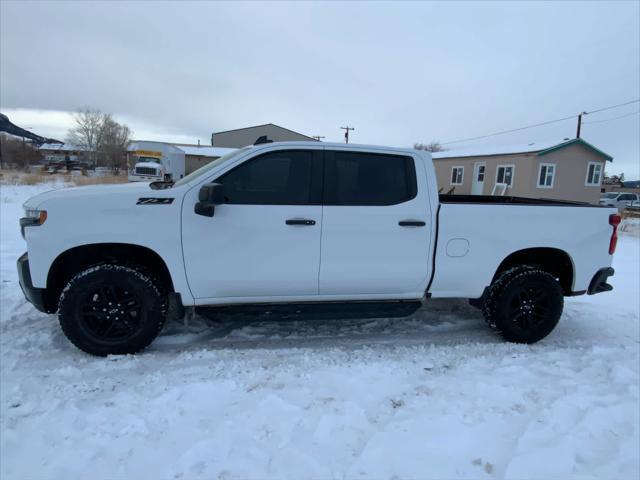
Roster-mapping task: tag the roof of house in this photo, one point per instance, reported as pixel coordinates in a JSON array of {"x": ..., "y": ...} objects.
[
  {"x": 265, "y": 125},
  {"x": 62, "y": 147},
  {"x": 541, "y": 148}
]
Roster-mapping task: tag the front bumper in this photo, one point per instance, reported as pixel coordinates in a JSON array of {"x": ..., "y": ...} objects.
[
  {"x": 144, "y": 178},
  {"x": 35, "y": 296},
  {"x": 599, "y": 281}
]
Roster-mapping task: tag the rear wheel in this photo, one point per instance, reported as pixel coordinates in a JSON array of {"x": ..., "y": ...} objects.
[
  {"x": 527, "y": 306},
  {"x": 112, "y": 309},
  {"x": 488, "y": 300}
]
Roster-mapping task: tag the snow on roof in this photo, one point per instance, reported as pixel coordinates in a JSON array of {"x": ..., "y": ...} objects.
[
  {"x": 62, "y": 147},
  {"x": 488, "y": 150},
  {"x": 202, "y": 151},
  {"x": 205, "y": 151}
]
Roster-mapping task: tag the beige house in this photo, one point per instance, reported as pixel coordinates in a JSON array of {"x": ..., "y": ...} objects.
[
  {"x": 565, "y": 170},
  {"x": 242, "y": 137}
]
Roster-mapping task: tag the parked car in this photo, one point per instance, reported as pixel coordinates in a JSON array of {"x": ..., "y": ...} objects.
[
  {"x": 309, "y": 228},
  {"x": 618, "y": 199},
  {"x": 634, "y": 206}
]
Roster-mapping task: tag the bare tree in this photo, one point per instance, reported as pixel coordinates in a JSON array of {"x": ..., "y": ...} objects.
[
  {"x": 17, "y": 152},
  {"x": 104, "y": 139},
  {"x": 114, "y": 139},
  {"x": 613, "y": 179},
  {"x": 86, "y": 131},
  {"x": 433, "y": 146}
]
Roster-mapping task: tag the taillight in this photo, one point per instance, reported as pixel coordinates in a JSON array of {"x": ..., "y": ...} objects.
[{"x": 614, "y": 221}]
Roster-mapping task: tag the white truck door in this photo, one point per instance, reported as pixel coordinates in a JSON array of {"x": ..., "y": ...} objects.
[
  {"x": 265, "y": 240},
  {"x": 376, "y": 225}
]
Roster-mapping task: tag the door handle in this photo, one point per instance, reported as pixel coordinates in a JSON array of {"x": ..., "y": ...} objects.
[
  {"x": 300, "y": 221},
  {"x": 411, "y": 223}
]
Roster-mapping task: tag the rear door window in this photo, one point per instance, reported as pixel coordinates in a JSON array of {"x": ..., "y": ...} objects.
[{"x": 355, "y": 178}]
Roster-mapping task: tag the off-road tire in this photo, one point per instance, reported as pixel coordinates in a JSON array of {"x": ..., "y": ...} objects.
[
  {"x": 527, "y": 306},
  {"x": 112, "y": 309},
  {"x": 488, "y": 302}
]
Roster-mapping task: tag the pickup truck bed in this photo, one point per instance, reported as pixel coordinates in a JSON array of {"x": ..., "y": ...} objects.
[
  {"x": 472, "y": 230},
  {"x": 508, "y": 200}
]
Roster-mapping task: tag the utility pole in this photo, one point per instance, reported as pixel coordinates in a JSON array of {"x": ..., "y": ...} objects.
[
  {"x": 347, "y": 129},
  {"x": 580, "y": 123},
  {"x": 318, "y": 137}
]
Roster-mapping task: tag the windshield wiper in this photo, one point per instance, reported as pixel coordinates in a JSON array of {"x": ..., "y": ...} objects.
[{"x": 161, "y": 184}]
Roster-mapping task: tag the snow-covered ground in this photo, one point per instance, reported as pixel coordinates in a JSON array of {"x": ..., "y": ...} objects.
[{"x": 436, "y": 395}]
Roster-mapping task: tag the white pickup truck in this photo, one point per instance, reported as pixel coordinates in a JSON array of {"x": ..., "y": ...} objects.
[{"x": 306, "y": 227}]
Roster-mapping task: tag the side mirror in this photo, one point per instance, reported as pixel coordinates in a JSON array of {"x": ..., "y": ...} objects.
[{"x": 210, "y": 195}]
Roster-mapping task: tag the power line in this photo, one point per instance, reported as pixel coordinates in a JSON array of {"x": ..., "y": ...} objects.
[
  {"x": 615, "y": 106},
  {"x": 614, "y": 118},
  {"x": 510, "y": 131},
  {"x": 539, "y": 124}
]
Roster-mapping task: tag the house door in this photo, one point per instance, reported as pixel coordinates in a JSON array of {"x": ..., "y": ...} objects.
[{"x": 477, "y": 185}]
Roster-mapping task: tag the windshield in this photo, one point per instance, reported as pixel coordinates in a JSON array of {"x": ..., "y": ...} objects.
[
  {"x": 209, "y": 166},
  {"x": 148, "y": 160},
  {"x": 609, "y": 195}
]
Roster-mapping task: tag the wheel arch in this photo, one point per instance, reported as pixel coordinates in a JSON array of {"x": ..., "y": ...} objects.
[
  {"x": 76, "y": 259},
  {"x": 555, "y": 261}
]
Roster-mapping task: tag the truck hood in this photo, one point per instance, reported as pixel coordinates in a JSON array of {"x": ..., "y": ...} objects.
[
  {"x": 88, "y": 192},
  {"x": 148, "y": 165}
]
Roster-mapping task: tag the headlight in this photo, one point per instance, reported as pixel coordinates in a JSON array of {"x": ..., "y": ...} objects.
[
  {"x": 32, "y": 217},
  {"x": 34, "y": 213}
]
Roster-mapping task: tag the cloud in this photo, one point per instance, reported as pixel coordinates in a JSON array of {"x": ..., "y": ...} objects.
[{"x": 399, "y": 72}]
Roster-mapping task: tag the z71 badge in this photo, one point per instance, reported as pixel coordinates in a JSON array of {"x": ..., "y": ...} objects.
[{"x": 154, "y": 201}]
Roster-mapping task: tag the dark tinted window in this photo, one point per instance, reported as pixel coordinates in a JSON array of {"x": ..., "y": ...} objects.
[
  {"x": 275, "y": 178},
  {"x": 353, "y": 178}
]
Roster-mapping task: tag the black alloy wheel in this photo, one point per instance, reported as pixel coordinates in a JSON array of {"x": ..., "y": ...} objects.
[
  {"x": 527, "y": 306},
  {"x": 110, "y": 314},
  {"x": 112, "y": 309}
]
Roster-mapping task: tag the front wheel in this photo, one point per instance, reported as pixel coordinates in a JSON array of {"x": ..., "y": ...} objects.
[
  {"x": 527, "y": 306},
  {"x": 111, "y": 309}
]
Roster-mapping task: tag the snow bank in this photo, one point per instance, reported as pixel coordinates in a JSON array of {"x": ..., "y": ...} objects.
[
  {"x": 436, "y": 395},
  {"x": 630, "y": 226}
]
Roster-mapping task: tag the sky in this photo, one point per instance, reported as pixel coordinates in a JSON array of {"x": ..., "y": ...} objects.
[{"x": 400, "y": 73}]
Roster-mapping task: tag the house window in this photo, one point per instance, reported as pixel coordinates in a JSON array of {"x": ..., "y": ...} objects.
[
  {"x": 546, "y": 175},
  {"x": 457, "y": 175},
  {"x": 594, "y": 174},
  {"x": 504, "y": 174}
]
